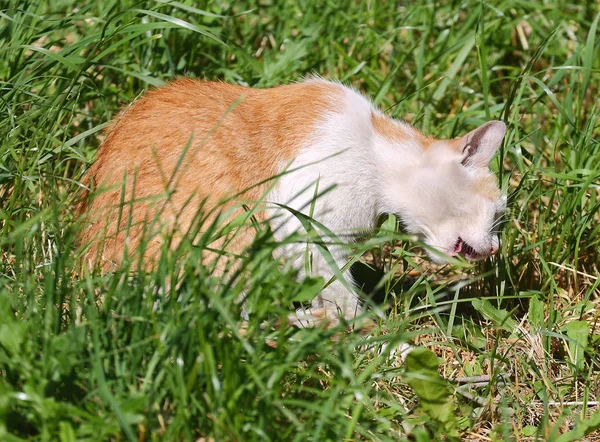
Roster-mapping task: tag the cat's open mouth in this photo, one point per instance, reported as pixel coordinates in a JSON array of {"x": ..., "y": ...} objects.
[{"x": 464, "y": 249}]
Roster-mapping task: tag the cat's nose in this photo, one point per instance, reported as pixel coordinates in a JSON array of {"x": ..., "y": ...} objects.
[{"x": 493, "y": 250}]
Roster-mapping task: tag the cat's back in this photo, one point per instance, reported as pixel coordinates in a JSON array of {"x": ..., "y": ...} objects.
[
  {"x": 165, "y": 116},
  {"x": 235, "y": 130},
  {"x": 209, "y": 140}
]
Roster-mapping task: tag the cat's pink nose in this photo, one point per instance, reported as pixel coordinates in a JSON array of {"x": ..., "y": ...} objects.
[{"x": 493, "y": 250}]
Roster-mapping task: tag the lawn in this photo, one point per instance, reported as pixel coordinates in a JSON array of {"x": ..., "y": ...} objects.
[{"x": 503, "y": 350}]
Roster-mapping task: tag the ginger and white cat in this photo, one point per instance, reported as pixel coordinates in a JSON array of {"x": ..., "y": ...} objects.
[{"x": 221, "y": 140}]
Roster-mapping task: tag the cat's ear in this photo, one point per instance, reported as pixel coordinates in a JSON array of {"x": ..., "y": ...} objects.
[{"x": 479, "y": 146}]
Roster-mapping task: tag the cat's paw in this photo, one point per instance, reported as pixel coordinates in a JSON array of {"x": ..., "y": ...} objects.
[
  {"x": 313, "y": 317},
  {"x": 321, "y": 317}
]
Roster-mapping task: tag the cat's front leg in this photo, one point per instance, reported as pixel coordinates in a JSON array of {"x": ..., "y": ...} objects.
[
  {"x": 337, "y": 300},
  {"x": 328, "y": 308}
]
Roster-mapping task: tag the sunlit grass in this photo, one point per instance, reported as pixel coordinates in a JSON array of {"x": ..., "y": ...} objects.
[{"x": 131, "y": 355}]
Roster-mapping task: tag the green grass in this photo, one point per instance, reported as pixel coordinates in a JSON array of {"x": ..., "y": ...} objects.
[{"x": 130, "y": 356}]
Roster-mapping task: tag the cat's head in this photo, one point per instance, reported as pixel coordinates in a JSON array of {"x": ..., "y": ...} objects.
[{"x": 451, "y": 198}]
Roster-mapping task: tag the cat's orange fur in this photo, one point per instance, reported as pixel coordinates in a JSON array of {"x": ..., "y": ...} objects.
[
  {"x": 393, "y": 132},
  {"x": 229, "y": 130}
]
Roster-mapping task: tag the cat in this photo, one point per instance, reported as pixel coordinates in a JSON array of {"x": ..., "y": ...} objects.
[{"x": 221, "y": 140}]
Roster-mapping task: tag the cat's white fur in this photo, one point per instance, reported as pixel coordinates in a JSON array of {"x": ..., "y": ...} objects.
[{"x": 368, "y": 174}]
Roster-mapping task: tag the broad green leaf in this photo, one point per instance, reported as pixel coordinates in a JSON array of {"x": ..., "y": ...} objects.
[
  {"x": 579, "y": 332},
  {"x": 536, "y": 312},
  {"x": 500, "y": 318},
  {"x": 434, "y": 392}
]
